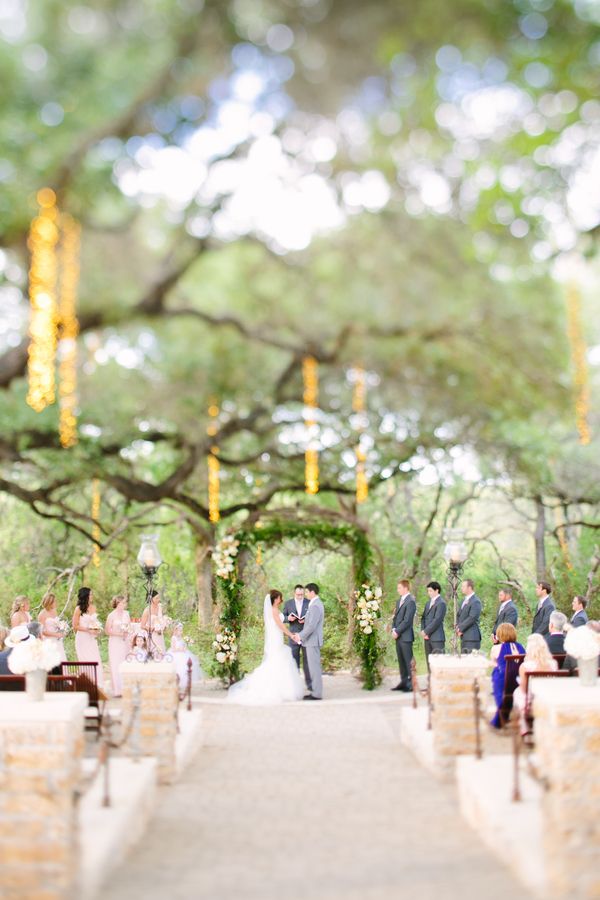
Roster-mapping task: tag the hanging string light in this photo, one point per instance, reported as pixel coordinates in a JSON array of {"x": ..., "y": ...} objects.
[
  {"x": 359, "y": 406},
  {"x": 43, "y": 327},
  {"x": 310, "y": 376},
  {"x": 96, "y": 521},
  {"x": 214, "y": 485},
  {"x": 259, "y": 556},
  {"x": 69, "y": 330},
  {"x": 578, "y": 356}
]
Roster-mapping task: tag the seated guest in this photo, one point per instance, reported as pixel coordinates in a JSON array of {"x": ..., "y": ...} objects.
[
  {"x": 507, "y": 645},
  {"x": 556, "y": 636},
  {"x": 15, "y": 636},
  {"x": 537, "y": 659},
  {"x": 579, "y": 617}
]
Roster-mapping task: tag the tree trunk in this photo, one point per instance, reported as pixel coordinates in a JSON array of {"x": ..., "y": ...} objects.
[
  {"x": 539, "y": 537},
  {"x": 204, "y": 587}
]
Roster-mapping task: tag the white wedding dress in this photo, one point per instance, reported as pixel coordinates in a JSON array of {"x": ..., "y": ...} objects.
[{"x": 277, "y": 679}]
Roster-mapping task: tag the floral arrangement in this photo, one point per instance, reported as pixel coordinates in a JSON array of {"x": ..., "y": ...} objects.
[
  {"x": 161, "y": 624},
  {"x": 33, "y": 655},
  {"x": 224, "y": 556},
  {"x": 582, "y": 643},
  {"x": 94, "y": 624},
  {"x": 366, "y": 637},
  {"x": 225, "y": 647},
  {"x": 368, "y": 607},
  {"x": 61, "y": 627}
]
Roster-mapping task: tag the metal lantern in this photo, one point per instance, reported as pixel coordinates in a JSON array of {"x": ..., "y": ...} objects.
[{"x": 149, "y": 556}]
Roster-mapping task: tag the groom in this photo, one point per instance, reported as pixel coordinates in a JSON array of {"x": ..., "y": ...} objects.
[{"x": 311, "y": 638}]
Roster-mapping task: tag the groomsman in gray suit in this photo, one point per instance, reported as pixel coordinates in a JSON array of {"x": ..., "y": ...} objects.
[
  {"x": 545, "y": 607},
  {"x": 311, "y": 638},
  {"x": 432, "y": 621},
  {"x": 467, "y": 621},
  {"x": 403, "y": 633},
  {"x": 294, "y": 612},
  {"x": 507, "y": 611},
  {"x": 579, "y": 617}
]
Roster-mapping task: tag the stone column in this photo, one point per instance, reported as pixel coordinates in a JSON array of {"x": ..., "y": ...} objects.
[
  {"x": 155, "y": 729},
  {"x": 41, "y": 746},
  {"x": 453, "y": 717},
  {"x": 567, "y": 745}
]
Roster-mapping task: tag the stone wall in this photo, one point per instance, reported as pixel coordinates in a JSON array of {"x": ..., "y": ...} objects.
[
  {"x": 452, "y": 717},
  {"x": 567, "y": 740},
  {"x": 41, "y": 746},
  {"x": 155, "y": 729}
]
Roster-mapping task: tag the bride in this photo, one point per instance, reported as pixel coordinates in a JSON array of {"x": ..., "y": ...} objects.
[{"x": 277, "y": 679}]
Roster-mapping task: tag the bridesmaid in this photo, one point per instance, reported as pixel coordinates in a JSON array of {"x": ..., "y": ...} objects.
[
  {"x": 117, "y": 629},
  {"x": 19, "y": 614},
  {"x": 48, "y": 619},
  {"x": 157, "y": 623},
  {"x": 86, "y": 635}
]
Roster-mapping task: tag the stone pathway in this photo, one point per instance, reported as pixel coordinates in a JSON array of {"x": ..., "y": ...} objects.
[{"x": 308, "y": 800}]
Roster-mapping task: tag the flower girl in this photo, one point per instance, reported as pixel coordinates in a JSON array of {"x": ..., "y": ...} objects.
[{"x": 181, "y": 654}]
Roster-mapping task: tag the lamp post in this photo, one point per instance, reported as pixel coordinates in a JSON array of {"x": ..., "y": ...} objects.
[
  {"x": 455, "y": 554},
  {"x": 149, "y": 559}
]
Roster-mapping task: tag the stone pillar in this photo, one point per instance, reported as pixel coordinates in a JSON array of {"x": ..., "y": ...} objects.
[
  {"x": 567, "y": 745},
  {"x": 453, "y": 716},
  {"x": 155, "y": 729},
  {"x": 41, "y": 746}
]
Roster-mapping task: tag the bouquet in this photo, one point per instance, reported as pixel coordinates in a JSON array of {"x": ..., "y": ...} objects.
[
  {"x": 225, "y": 647},
  {"x": 62, "y": 628},
  {"x": 94, "y": 623},
  {"x": 161, "y": 624},
  {"x": 32, "y": 655},
  {"x": 368, "y": 607},
  {"x": 224, "y": 556},
  {"x": 582, "y": 643}
]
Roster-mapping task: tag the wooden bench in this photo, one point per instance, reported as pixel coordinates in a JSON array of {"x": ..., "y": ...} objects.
[
  {"x": 528, "y": 715},
  {"x": 53, "y": 683}
]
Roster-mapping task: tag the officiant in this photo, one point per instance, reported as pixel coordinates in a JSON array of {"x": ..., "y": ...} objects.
[{"x": 294, "y": 612}]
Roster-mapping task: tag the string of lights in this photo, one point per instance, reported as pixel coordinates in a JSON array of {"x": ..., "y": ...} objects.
[
  {"x": 214, "y": 476},
  {"x": 67, "y": 389},
  {"x": 310, "y": 375}
]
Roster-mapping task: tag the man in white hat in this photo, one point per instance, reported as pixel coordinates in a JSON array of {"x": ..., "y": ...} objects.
[{"x": 16, "y": 635}]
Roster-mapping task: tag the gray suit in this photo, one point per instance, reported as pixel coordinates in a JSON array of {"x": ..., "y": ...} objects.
[
  {"x": 312, "y": 639},
  {"x": 541, "y": 620},
  {"x": 509, "y": 615},
  {"x": 580, "y": 618},
  {"x": 295, "y": 627},
  {"x": 404, "y": 617},
  {"x": 467, "y": 622},
  {"x": 432, "y": 623}
]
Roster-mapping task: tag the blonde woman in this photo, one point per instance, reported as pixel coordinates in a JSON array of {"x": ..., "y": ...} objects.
[
  {"x": 117, "y": 628},
  {"x": 49, "y": 620},
  {"x": 19, "y": 614},
  {"x": 537, "y": 659}
]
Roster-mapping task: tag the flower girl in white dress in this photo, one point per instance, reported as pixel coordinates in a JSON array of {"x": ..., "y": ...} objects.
[{"x": 180, "y": 653}]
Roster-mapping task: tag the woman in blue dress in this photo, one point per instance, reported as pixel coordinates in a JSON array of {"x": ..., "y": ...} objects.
[{"x": 507, "y": 646}]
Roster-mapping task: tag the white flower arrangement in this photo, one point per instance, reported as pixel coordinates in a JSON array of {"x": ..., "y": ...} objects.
[
  {"x": 224, "y": 556},
  {"x": 225, "y": 646},
  {"x": 94, "y": 624},
  {"x": 582, "y": 643},
  {"x": 62, "y": 627},
  {"x": 32, "y": 655},
  {"x": 368, "y": 607}
]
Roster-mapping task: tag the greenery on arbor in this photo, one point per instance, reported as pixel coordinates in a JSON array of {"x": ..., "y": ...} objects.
[{"x": 405, "y": 188}]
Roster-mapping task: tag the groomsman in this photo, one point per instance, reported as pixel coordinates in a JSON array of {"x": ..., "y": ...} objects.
[
  {"x": 432, "y": 621},
  {"x": 507, "y": 611},
  {"x": 403, "y": 633},
  {"x": 545, "y": 607},
  {"x": 467, "y": 621},
  {"x": 294, "y": 613},
  {"x": 579, "y": 616}
]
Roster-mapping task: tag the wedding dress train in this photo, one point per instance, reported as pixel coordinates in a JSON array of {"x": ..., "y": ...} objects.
[{"x": 277, "y": 679}]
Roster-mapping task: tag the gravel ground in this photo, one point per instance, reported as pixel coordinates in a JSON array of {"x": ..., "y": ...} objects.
[{"x": 308, "y": 800}]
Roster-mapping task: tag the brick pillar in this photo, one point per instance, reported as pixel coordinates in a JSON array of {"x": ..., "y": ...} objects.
[
  {"x": 155, "y": 729},
  {"x": 453, "y": 717},
  {"x": 567, "y": 745},
  {"x": 41, "y": 746}
]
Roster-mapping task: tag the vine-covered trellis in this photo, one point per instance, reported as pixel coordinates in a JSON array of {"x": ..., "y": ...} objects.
[{"x": 366, "y": 645}]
